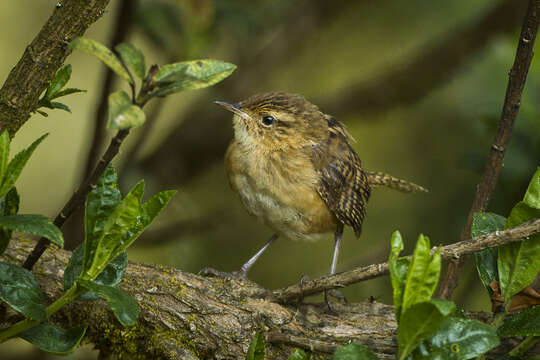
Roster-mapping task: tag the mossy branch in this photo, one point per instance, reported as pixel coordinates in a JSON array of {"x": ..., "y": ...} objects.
[{"x": 186, "y": 316}]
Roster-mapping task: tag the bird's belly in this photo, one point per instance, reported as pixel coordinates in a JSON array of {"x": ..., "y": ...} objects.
[{"x": 298, "y": 214}]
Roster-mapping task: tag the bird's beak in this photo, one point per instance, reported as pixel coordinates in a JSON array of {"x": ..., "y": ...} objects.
[{"x": 233, "y": 107}]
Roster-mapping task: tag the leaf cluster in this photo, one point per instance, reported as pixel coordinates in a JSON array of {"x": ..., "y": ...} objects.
[
  {"x": 57, "y": 89},
  {"x": 112, "y": 223},
  {"x": 429, "y": 328},
  {"x": 158, "y": 81}
]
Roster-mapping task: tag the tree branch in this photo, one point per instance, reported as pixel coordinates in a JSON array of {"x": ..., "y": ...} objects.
[
  {"x": 453, "y": 251},
  {"x": 42, "y": 58},
  {"x": 512, "y": 101},
  {"x": 186, "y": 316}
]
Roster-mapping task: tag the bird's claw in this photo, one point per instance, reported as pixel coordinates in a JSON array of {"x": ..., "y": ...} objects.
[{"x": 338, "y": 295}]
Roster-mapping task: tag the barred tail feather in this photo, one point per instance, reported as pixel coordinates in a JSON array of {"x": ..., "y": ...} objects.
[{"x": 376, "y": 178}]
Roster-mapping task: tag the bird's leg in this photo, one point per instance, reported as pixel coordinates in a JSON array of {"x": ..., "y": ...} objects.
[
  {"x": 245, "y": 268},
  {"x": 303, "y": 279},
  {"x": 242, "y": 273},
  {"x": 337, "y": 236}
]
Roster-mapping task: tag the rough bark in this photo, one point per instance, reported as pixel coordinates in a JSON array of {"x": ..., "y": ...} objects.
[
  {"x": 42, "y": 58},
  {"x": 186, "y": 316}
]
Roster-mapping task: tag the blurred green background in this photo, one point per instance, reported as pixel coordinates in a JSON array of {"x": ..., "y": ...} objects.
[{"x": 420, "y": 85}]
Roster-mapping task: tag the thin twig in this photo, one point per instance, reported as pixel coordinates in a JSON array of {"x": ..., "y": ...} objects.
[
  {"x": 516, "y": 83},
  {"x": 77, "y": 199},
  {"x": 452, "y": 251}
]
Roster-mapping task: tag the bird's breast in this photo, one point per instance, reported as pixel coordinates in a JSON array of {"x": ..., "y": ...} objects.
[{"x": 280, "y": 189}]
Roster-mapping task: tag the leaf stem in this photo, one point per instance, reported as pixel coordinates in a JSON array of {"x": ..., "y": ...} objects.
[
  {"x": 525, "y": 345},
  {"x": 66, "y": 298}
]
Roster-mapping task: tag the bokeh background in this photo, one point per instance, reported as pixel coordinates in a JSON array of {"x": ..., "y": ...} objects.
[{"x": 419, "y": 84}]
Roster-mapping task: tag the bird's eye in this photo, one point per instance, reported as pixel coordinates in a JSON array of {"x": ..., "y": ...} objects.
[{"x": 268, "y": 120}]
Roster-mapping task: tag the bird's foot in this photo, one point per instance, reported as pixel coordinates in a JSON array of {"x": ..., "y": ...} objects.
[
  {"x": 338, "y": 295},
  {"x": 237, "y": 275},
  {"x": 303, "y": 279}
]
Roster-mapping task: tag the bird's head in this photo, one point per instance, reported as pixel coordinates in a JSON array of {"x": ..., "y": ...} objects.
[{"x": 277, "y": 121}]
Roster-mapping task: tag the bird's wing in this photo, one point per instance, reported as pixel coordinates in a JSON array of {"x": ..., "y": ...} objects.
[{"x": 343, "y": 185}]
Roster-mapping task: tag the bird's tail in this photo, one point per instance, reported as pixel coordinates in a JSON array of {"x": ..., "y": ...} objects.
[{"x": 376, "y": 178}]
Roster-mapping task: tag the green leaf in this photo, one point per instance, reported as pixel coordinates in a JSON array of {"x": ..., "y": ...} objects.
[
  {"x": 147, "y": 213},
  {"x": 60, "y": 80},
  {"x": 16, "y": 165},
  {"x": 354, "y": 352},
  {"x": 20, "y": 290},
  {"x": 519, "y": 262},
  {"x": 122, "y": 220},
  {"x": 398, "y": 272},
  {"x": 532, "y": 195},
  {"x": 9, "y": 205},
  {"x": 256, "y": 348},
  {"x": 124, "y": 307},
  {"x": 299, "y": 354},
  {"x": 42, "y": 113},
  {"x": 420, "y": 321},
  {"x": 61, "y": 106},
  {"x": 100, "y": 204},
  {"x": 133, "y": 57},
  {"x": 53, "y": 339},
  {"x": 65, "y": 92},
  {"x": 110, "y": 276},
  {"x": 44, "y": 102},
  {"x": 191, "y": 75},
  {"x": 35, "y": 225},
  {"x": 458, "y": 339},
  {"x": 100, "y": 51},
  {"x": 486, "y": 260},
  {"x": 523, "y": 323},
  {"x": 4, "y": 152},
  {"x": 122, "y": 113},
  {"x": 423, "y": 274}
]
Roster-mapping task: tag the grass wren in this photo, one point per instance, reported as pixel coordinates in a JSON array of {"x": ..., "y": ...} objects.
[{"x": 294, "y": 169}]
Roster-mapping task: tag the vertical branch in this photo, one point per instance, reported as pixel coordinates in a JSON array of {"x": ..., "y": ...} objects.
[{"x": 512, "y": 101}]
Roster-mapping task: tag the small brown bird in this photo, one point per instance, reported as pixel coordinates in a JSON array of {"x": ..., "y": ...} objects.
[{"x": 294, "y": 169}]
